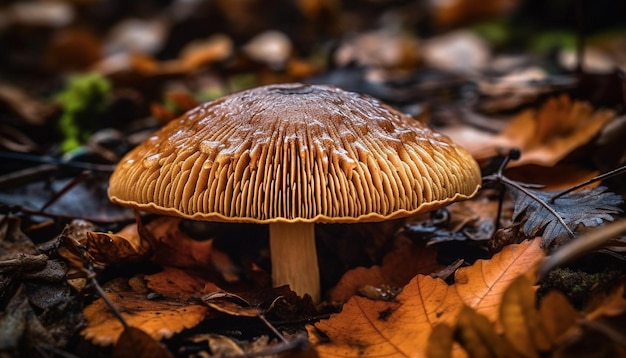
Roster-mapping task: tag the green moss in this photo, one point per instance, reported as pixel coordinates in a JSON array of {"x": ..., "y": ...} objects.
[
  {"x": 579, "y": 286},
  {"x": 84, "y": 100}
]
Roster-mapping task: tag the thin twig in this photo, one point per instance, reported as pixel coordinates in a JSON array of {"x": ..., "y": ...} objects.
[
  {"x": 108, "y": 301},
  {"x": 107, "y": 168},
  {"x": 67, "y": 187},
  {"x": 607, "y": 175},
  {"x": 272, "y": 328}
]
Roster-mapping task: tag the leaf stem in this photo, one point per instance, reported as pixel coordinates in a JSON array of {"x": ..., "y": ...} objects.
[{"x": 508, "y": 181}]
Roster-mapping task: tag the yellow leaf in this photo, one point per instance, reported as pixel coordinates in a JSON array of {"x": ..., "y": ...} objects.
[
  {"x": 520, "y": 319},
  {"x": 479, "y": 338},
  {"x": 440, "y": 342},
  {"x": 557, "y": 315},
  {"x": 158, "y": 318}
]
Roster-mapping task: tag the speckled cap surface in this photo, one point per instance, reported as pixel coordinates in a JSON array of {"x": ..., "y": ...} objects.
[{"x": 294, "y": 153}]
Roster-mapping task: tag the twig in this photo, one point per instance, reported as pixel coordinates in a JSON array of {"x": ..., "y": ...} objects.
[
  {"x": 107, "y": 168},
  {"x": 585, "y": 243},
  {"x": 108, "y": 301},
  {"x": 607, "y": 175},
  {"x": 24, "y": 262}
]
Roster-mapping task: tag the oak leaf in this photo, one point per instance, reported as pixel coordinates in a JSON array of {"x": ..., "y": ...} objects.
[
  {"x": 402, "y": 327},
  {"x": 547, "y": 135}
]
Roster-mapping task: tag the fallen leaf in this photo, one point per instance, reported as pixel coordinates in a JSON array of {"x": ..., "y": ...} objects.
[
  {"x": 31, "y": 110},
  {"x": 520, "y": 319},
  {"x": 481, "y": 285},
  {"x": 559, "y": 177},
  {"x": 557, "y": 315},
  {"x": 589, "y": 207},
  {"x": 547, "y": 135},
  {"x": 441, "y": 342},
  {"x": 179, "y": 284},
  {"x": 159, "y": 318},
  {"x": 479, "y": 338},
  {"x": 125, "y": 246},
  {"x": 402, "y": 327},
  {"x": 406, "y": 260},
  {"x": 369, "y": 328},
  {"x": 135, "y": 343}
]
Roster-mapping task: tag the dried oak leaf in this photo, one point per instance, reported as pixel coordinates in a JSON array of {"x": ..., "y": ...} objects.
[
  {"x": 547, "y": 135},
  {"x": 588, "y": 207},
  {"x": 160, "y": 318},
  {"x": 402, "y": 327}
]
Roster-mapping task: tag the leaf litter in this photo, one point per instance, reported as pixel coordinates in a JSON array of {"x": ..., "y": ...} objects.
[{"x": 558, "y": 118}]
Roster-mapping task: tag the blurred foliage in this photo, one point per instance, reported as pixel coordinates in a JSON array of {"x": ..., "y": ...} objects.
[{"x": 84, "y": 100}]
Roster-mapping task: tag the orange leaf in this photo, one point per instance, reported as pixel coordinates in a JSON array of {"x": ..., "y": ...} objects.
[
  {"x": 478, "y": 336},
  {"x": 522, "y": 324},
  {"x": 159, "y": 318},
  {"x": 176, "y": 283},
  {"x": 557, "y": 315},
  {"x": 482, "y": 284},
  {"x": 402, "y": 328},
  {"x": 380, "y": 328},
  {"x": 135, "y": 343},
  {"x": 398, "y": 268},
  {"x": 547, "y": 135}
]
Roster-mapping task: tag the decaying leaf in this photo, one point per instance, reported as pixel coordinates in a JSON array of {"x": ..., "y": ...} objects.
[
  {"x": 402, "y": 327},
  {"x": 547, "y": 135},
  {"x": 160, "y": 318},
  {"x": 520, "y": 319},
  {"x": 588, "y": 207},
  {"x": 481, "y": 285},
  {"x": 479, "y": 338},
  {"x": 125, "y": 246},
  {"x": 398, "y": 267},
  {"x": 135, "y": 343},
  {"x": 554, "y": 328}
]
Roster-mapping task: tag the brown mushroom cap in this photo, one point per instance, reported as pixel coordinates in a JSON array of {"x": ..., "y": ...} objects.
[{"x": 294, "y": 153}]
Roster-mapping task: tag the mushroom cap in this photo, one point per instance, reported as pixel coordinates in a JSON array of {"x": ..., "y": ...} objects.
[{"x": 294, "y": 153}]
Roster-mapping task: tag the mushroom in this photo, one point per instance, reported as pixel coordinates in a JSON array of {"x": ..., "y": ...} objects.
[{"x": 291, "y": 156}]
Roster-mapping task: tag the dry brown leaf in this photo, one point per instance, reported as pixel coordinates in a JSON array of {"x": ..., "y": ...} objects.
[
  {"x": 401, "y": 328},
  {"x": 547, "y": 135},
  {"x": 159, "y": 318},
  {"x": 405, "y": 261},
  {"x": 481, "y": 285},
  {"x": 559, "y": 177},
  {"x": 125, "y": 246},
  {"x": 176, "y": 283},
  {"x": 135, "y": 343},
  {"x": 172, "y": 247}
]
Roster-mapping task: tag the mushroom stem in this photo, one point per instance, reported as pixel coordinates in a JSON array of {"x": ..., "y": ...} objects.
[{"x": 294, "y": 258}]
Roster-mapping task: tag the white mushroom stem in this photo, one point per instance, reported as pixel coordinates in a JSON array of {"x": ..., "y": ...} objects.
[{"x": 294, "y": 258}]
